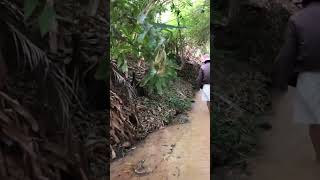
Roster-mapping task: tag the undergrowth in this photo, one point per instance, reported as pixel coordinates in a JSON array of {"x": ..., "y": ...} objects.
[
  {"x": 177, "y": 100},
  {"x": 234, "y": 139},
  {"x": 179, "y": 104},
  {"x": 157, "y": 111},
  {"x": 179, "y": 96},
  {"x": 240, "y": 96}
]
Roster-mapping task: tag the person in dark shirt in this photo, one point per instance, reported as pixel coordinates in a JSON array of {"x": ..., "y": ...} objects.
[
  {"x": 298, "y": 65},
  {"x": 203, "y": 80}
]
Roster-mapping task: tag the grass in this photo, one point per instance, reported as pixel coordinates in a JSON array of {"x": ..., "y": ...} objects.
[
  {"x": 179, "y": 104},
  {"x": 234, "y": 132}
]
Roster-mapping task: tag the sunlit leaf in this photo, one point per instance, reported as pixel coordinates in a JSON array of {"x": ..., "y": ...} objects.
[
  {"x": 142, "y": 36},
  {"x": 120, "y": 61},
  {"x": 142, "y": 18},
  {"x": 124, "y": 66},
  {"x": 153, "y": 71},
  {"x": 159, "y": 87},
  {"x": 167, "y": 26}
]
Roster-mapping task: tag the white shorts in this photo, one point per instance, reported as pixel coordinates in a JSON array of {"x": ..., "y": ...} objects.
[
  {"x": 205, "y": 91},
  {"x": 307, "y": 98}
]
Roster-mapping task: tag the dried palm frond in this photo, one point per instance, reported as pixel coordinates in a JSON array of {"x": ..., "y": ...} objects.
[
  {"x": 20, "y": 110},
  {"x": 9, "y": 12},
  {"x": 120, "y": 126},
  {"x": 32, "y": 55},
  {"x": 122, "y": 80},
  {"x": 64, "y": 99},
  {"x": 35, "y": 58},
  {"x": 43, "y": 159},
  {"x": 21, "y": 132}
]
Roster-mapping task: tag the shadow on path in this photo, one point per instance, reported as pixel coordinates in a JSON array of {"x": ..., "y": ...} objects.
[{"x": 286, "y": 151}]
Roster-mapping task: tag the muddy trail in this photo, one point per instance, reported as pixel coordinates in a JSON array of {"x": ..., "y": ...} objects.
[
  {"x": 176, "y": 152},
  {"x": 286, "y": 151}
]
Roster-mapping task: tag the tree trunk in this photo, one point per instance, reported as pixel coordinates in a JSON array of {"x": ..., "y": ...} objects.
[{"x": 53, "y": 37}]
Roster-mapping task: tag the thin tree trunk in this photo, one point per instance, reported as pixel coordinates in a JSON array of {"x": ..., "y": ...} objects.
[
  {"x": 53, "y": 34},
  {"x": 180, "y": 47}
]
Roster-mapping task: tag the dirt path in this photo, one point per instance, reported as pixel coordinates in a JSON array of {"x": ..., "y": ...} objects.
[
  {"x": 286, "y": 150},
  {"x": 176, "y": 152}
]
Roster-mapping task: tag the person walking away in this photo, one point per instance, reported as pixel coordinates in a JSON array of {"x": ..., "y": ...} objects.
[
  {"x": 298, "y": 65},
  {"x": 203, "y": 80}
]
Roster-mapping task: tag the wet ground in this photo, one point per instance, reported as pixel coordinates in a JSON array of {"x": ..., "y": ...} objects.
[
  {"x": 286, "y": 151},
  {"x": 176, "y": 152}
]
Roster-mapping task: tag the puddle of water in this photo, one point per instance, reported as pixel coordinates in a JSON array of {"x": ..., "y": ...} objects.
[{"x": 176, "y": 152}]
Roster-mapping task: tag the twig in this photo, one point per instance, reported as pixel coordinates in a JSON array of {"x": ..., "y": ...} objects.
[{"x": 232, "y": 105}]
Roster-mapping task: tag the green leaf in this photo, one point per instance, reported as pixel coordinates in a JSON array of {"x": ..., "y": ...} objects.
[
  {"x": 141, "y": 18},
  {"x": 125, "y": 32},
  {"x": 167, "y": 26},
  {"x": 124, "y": 66},
  {"x": 153, "y": 71},
  {"x": 162, "y": 82},
  {"x": 152, "y": 43},
  {"x": 46, "y": 19},
  {"x": 159, "y": 87},
  {"x": 142, "y": 36},
  {"x": 150, "y": 76},
  {"x": 120, "y": 61},
  {"x": 29, "y": 7}
]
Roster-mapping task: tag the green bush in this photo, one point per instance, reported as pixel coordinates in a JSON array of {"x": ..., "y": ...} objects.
[{"x": 179, "y": 103}]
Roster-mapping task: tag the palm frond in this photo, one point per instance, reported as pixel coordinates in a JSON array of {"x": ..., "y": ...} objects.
[
  {"x": 9, "y": 12},
  {"x": 122, "y": 80},
  {"x": 32, "y": 57}
]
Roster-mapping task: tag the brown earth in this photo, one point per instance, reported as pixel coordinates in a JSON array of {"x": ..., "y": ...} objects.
[
  {"x": 286, "y": 151},
  {"x": 176, "y": 152}
]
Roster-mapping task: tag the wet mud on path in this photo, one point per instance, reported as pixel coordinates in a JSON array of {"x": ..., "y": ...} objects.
[
  {"x": 175, "y": 152},
  {"x": 286, "y": 151}
]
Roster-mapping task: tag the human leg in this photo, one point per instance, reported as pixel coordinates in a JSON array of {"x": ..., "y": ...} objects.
[{"x": 314, "y": 132}]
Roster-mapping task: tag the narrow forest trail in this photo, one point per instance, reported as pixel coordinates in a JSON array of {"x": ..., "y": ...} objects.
[
  {"x": 176, "y": 152},
  {"x": 286, "y": 151}
]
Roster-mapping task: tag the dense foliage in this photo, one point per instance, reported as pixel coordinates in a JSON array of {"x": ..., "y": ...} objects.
[
  {"x": 139, "y": 34},
  {"x": 49, "y": 53},
  {"x": 149, "y": 39}
]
